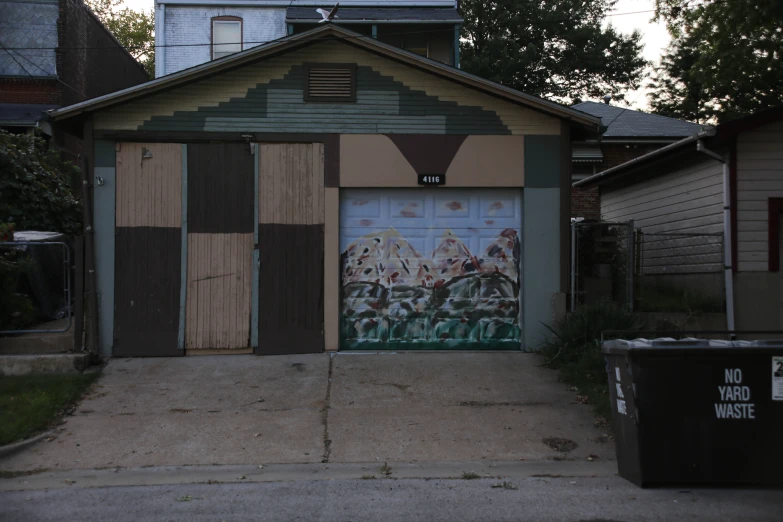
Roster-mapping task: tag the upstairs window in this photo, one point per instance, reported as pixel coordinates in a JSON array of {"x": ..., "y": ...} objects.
[
  {"x": 330, "y": 82},
  {"x": 226, "y": 36}
]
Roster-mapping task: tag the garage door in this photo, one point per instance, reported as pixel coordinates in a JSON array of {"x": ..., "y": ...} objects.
[{"x": 430, "y": 269}]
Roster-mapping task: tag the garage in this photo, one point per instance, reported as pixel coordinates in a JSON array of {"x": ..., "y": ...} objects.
[
  {"x": 235, "y": 211},
  {"x": 431, "y": 269}
]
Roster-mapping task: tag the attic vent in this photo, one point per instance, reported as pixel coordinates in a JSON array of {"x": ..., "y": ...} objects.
[{"x": 331, "y": 83}]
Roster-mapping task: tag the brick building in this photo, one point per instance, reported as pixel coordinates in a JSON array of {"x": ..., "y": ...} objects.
[
  {"x": 628, "y": 134},
  {"x": 55, "y": 53}
]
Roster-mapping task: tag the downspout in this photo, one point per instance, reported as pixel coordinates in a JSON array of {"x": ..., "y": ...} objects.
[
  {"x": 160, "y": 41},
  {"x": 727, "y": 239}
]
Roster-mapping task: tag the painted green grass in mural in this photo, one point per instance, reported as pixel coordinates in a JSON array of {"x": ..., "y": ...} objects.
[{"x": 31, "y": 403}]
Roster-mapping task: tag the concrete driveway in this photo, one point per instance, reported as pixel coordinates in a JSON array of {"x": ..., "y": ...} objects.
[{"x": 341, "y": 408}]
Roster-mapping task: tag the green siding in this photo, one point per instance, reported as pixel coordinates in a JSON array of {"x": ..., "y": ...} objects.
[
  {"x": 541, "y": 266},
  {"x": 542, "y": 161},
  {"x": 383, "y": 105}
]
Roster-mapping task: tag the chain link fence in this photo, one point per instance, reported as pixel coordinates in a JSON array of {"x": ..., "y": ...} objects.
[
  {"x": 655, "y": 272},
  {"x": 679, "y": 272},
  {"x": 35, "y": 287},
  {"x": 602, "y": 261}
]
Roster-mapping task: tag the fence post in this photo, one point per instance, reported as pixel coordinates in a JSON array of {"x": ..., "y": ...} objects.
[
  {"x": 78, "y": 293},
  {"x": 573, "y": 266},
  {"x": 631, "y": 264}
]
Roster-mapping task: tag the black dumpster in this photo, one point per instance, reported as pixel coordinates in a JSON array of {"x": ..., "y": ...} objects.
[{"x": 697, "y": 411}]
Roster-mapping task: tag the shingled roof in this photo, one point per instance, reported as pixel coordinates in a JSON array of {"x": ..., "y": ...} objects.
[
  {"x": 377, "y": 14},
  {"x": 627, "y": 123}
]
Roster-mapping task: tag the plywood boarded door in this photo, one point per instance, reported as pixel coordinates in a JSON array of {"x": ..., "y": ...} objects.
[
  {"x": 291, "y": 249},
  {"x": 220, "y": 247},
  {"x": 148, "y": 249}
]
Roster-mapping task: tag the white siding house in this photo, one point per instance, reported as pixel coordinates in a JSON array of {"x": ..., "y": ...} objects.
[
  {"x": 187, "y": 32},
  {"x": 680, "y": 189},
  {"x": 759, "y": 177}
]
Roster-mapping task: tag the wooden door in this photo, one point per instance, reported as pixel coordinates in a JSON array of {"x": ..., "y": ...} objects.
[
  {"x": 291, "y": 249},
  {"x": 220, "y": 181},
  {"x": 148, "y": 264}
]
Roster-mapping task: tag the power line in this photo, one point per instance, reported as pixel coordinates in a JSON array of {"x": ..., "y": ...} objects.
[
  {"x": 40, "y": 69},
  {"x": 449, "y": 30},
  {"x": 17, "y": 61}
]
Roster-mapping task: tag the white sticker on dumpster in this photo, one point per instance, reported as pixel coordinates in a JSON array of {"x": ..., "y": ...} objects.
[{"x": 777, "y": 378}]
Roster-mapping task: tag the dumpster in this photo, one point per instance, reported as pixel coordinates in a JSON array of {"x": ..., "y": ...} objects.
[{"x": 697, "y": 411}]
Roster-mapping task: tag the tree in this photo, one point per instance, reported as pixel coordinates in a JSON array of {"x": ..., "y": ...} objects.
[
  {"x": 556, "y": 49},
  {"x": 36, "y": 186},
  {"x": 724, "y": 60},
  {"x": 135, "y": 30}
]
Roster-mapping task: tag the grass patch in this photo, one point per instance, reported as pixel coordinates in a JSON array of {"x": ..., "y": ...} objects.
[
  {"x": 386, "y": 470},
  {"x": 32, "y": 403},
  {"x": 660, "y": 297},
  {"x": 469, "y": 475}
]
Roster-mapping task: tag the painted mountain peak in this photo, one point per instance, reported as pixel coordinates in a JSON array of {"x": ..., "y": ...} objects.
[{"x": 387, "y": 258}]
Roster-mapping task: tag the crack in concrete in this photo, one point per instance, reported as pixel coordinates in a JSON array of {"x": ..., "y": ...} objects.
[
  {"x": 325, "y": 413},
  {"x": 488, "y": 404}
]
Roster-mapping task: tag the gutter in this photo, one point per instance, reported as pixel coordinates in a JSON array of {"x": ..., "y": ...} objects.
[
  {"x": 707, "y": 133},
  {"x": 728, "y": 269}
]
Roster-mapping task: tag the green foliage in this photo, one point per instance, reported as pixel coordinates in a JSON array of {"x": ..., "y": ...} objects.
[
  {"x": 661, "y": 297},
  {"x": 35, "y": 186},
  {"x": 32, "y": 403},
  {"x": 135, "y": 30},
  {"x": 575, "y": 350},
  {"x": 580, "y": 331},
  {"x": 724, "y": 60},
  {"x": 557, "y": 50}
]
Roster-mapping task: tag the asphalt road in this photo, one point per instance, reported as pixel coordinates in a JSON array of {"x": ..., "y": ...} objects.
[{"x": 607, "y": 499}]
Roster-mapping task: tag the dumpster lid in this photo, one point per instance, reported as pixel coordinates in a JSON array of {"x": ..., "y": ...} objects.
[{"x": 688, "y": 345}]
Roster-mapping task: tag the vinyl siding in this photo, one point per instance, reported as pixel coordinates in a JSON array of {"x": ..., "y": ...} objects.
[
  {"x": 686, "y": 201},
  {"x": 759, "y": 177},
  {"x": 391, "y": 97}
]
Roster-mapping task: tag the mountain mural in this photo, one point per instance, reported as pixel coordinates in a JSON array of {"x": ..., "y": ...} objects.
[{"x": 394, "y": 294}]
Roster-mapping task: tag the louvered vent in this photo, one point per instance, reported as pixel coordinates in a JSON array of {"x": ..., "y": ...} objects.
[{"x": 333, "y": 83}]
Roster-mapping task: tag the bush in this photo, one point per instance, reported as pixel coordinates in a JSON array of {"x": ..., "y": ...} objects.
[
  {"x": 35, "y": 186},
  {"x": 580, "y": 331},
  {"x": 575, "y": 350}
]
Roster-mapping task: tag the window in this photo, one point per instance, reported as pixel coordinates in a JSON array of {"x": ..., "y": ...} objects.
[
  {"x": 226, "y": 36},
  {"x": 330, "y": 82}
]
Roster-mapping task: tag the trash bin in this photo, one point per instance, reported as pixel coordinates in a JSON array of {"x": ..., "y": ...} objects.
[{"x": 697, "y": 411}]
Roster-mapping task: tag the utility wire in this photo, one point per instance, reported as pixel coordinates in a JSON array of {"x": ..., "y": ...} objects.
[{"x": 449, "y": 30}]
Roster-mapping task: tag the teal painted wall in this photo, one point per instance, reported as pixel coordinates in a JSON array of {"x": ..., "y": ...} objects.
[
  {"x": 103, "y": 225},
  {"x": 542, "y": 161},
  {"x": 541, "y": 265},
  {"x": 383, "y": 105}
]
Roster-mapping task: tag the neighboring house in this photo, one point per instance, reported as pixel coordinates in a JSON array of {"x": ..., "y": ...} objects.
[
  {"x": 189, "y": 33},
  {"x": 285, "y": 199},
  {"x": 628, "y": 134},
  {"x": 55, "y": 53},
  {"x": 682, "y": 189}
]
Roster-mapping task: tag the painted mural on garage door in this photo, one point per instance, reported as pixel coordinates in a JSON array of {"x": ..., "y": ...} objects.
[{"x": 431, "y": 269}]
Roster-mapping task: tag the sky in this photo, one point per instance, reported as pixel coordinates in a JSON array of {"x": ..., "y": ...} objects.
[{"x": 655, "y": 37}]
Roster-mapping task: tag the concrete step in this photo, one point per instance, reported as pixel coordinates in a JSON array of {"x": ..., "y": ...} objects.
[
  {"x": 39, "y": 343},
  {"x": 38, "y": 364}
]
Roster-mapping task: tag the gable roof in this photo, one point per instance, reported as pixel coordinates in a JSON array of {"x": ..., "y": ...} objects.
[
  {"x": 331, "y": 32},
  {"x": 718, "y": 136},
  {"x": 626, "y": 123}
]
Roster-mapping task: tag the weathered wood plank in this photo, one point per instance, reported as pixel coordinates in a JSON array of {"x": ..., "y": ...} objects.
[{"x": 149, "y": 189}]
